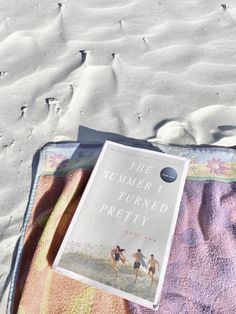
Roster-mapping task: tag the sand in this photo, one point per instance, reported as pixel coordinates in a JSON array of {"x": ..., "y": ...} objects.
[{"x": 158, "y": 69}]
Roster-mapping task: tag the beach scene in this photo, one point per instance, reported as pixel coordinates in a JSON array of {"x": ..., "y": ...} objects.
[
  {"x": 161, "y": 71},
  {"x": 114, "y": 267}
]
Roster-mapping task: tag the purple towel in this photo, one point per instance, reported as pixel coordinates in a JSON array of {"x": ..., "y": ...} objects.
[{"x": 201, "y": 273}]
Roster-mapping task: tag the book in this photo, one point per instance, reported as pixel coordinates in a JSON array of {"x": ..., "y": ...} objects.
[{"x": 120, "y": 236}]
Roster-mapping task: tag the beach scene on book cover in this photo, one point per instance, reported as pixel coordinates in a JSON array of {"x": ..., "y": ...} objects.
[{"x": 119, "y": 238}]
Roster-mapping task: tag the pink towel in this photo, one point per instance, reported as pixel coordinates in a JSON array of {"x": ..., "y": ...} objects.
[{"x": 201, "y": 273}]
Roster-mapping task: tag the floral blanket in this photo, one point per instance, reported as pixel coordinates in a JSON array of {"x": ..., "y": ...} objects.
[{"x": 201, "y": 273}]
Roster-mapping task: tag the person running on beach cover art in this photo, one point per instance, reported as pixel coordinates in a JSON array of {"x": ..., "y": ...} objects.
[
  {"x": 117, "y": 256},
  {"x": 152, "y": 268},
  {"x": 138, "y": 257}
]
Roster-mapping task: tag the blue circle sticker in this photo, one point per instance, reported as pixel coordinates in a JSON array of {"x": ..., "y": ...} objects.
[{"x": 168, "y": 174}]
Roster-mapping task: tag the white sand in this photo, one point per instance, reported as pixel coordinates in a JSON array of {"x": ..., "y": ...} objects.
[{"x": 160, "y": 69}]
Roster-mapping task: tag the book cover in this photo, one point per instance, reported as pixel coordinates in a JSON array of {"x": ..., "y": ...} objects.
[{"x": 120, "y": 236}]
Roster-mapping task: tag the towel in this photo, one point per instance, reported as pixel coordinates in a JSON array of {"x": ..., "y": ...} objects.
[{"x": 201, "y": 272}]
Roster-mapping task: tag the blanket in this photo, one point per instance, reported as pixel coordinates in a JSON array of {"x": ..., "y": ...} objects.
[{"x": 201, "y": 272}]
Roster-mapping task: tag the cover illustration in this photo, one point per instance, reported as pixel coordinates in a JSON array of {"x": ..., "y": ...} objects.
[{"x": 120, "y": 236}]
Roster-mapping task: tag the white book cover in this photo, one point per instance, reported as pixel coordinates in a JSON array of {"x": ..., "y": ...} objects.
[{"x": 120, "y": 237}]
